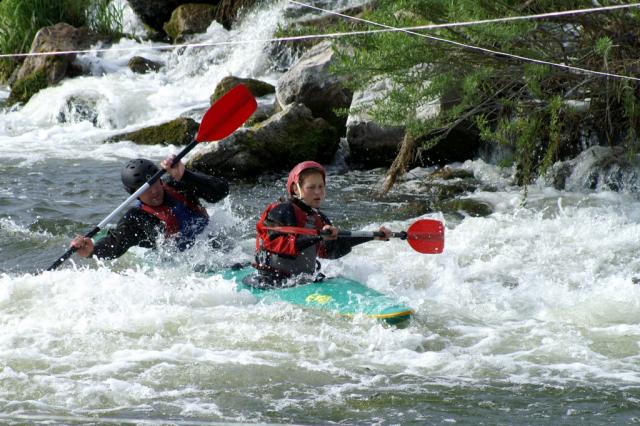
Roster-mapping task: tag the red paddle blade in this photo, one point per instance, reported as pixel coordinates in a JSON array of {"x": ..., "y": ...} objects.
[
  {"x": 227, "y": 114},
  {"x": 426, "y": 236}
]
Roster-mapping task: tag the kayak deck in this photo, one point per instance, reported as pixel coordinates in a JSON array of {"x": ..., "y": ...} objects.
[{"x": 341, "y": 295}]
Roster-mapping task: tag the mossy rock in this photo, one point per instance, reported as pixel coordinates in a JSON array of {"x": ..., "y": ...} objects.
[
  {"x": 453, "y": 189},
  {"x": 468, "y": 206},
  {"x": 277, "y": 144},
  {"x": 264, "y": 112},
  {"x": 228, "y": 11},
  {"x": 180, "y": 131},
  {"x": 298, "y": 138},
  {"x": 448, "y": 173},
  {"x": 191, "y": 18},
  {"x": 7, "y": 67},
  {"x": 25, "y": 88},
  {"x": 140, "y": 65},
  {"x": 410, "y": 210},
  {"x": 256, "y": 87}
]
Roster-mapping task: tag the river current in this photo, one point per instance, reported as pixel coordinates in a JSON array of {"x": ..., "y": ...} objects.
[{"x": 530, "y": 316}]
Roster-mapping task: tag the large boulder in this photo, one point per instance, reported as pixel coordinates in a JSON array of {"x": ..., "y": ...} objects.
[
  {"x": 39, "y": 72},
  {"x": 371, "y": 144},
  {"x": 601, "y": 168},
  {"x": 155, "y": 13},
  {"x": 187, "y": 19},
  {"x": 142, "y": 65},
  {"x": 180, "y": 131},
  {"x": 300, "y": 22},
  {"x": 228, "y": 11},
  {"x": 257, "y": 88},
  {"x": 310, "y": 82},
  {"x": 277, "y": 144}
]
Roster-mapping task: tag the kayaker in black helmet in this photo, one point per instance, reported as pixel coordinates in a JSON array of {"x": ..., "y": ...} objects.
[
  {"x": 171, "y": 207},
  {"x": 281, "y": 255}
]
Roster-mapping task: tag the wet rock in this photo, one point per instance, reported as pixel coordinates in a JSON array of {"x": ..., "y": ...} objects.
[
  {"x": 229, "y": 10},
  {"x": 597, "y": 168},
  {"x": 277, "y": 144},
  {"x": 300, "y": 25},
  {"x": 412, "y": 209},
  {"x": 447, "y": 183},
  {"x": 324, "y": 21},
  {"x": 180, "y": 131},
  {"x": 466, "y": 206},
  {"x": 310, "y": 82},
  {"x": 155, "y": 13},
  {"x": 262, "y": 113},
  {"x": 80, "y": 108},
  {"x": 39, "y": 72},
  {"x": 187, "y": 19},
  {"x": 450, "y": 190},
  {"x": 256, "y": 87},
  {"x": 450, "y": 173},
  {"x": 372, "y": 144},
  {"x": 141, "y": 65},
  {"x": 376, "y": 145}
]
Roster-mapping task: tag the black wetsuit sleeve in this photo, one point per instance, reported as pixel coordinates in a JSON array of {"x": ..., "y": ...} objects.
[
  {"x": 136, "y": 228},
  {"x": 197, "y": 185},
  {"x": 342, "y": 246},
  {"x": 304, "y": 241},
  {"x": 334, "y": 249}
]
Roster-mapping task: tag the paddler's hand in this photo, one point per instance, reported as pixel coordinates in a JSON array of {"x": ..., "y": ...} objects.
[
  {"x": 83, "y": 245},
  {"x": 176, "y": 171},
  {"x": 387, "y": 234},
  {"x": 334, "y": 232}
]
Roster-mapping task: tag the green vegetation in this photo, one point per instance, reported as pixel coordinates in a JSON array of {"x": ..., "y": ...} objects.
[
  {"x": 24, "y": 89},
  {"x": 20, "y": 20},
  {"x": 544, "y": 113}
]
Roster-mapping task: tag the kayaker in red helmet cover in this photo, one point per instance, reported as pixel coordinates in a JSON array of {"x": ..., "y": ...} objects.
[{"x": 282, "y": 255}]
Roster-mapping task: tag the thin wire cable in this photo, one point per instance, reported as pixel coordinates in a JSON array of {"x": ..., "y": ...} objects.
[
  {"x": 325, "y": 35},
  {"x": 482, "y": 49},
  {"x": 490, "y": 21},
  {"x": 386, "y": 28}
]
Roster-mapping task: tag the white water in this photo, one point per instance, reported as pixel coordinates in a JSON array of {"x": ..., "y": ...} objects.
[{"x": 537, "y": 295}]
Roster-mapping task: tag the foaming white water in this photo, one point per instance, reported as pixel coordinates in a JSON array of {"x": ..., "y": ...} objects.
[
  {"x": 528, "y": 294},
  {"x": 540, "y": 294}
]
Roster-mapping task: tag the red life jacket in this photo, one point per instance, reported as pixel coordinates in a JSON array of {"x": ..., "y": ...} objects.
[
  {"x": 284, "y": 244},
  {"x": 166, "y": 214}
]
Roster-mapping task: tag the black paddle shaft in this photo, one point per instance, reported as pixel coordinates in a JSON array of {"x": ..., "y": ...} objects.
[{"x": 367, "y": 234}]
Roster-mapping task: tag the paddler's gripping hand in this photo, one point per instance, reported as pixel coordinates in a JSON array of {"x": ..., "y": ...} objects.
[
  {"x": 387, "y": 234},
  {"x": 176, "y": 171},
  {"x": 329, "y": 232},
  {"x": 83, "y": 245}
]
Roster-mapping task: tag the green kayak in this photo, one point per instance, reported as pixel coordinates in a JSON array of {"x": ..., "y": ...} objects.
[{"x": 340, "y": 295}]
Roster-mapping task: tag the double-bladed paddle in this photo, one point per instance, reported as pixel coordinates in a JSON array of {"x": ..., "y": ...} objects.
[
  {"x": 221, "y": 119},
  {"x": 424, "y": 235}
]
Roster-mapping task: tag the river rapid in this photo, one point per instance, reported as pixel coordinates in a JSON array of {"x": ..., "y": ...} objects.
[{"x": 530, "y": 316}]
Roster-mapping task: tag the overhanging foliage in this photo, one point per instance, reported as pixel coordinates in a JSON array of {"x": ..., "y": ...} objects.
[{"x": 545, "y": 113}]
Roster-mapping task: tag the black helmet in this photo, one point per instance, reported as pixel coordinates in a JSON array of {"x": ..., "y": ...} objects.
[{"x": 136, "y": 172}]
